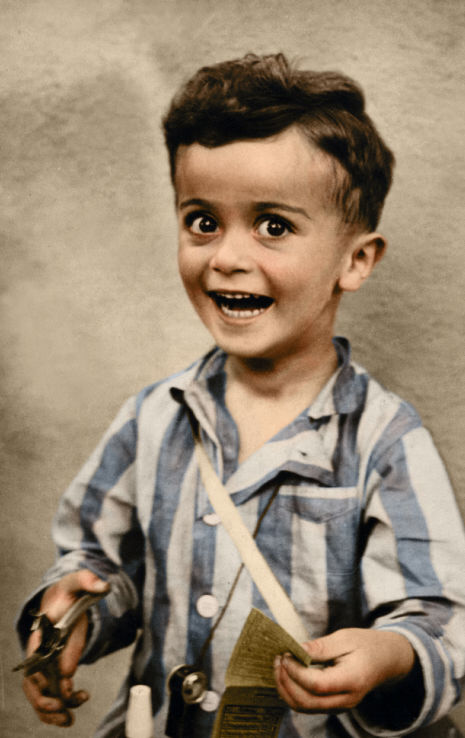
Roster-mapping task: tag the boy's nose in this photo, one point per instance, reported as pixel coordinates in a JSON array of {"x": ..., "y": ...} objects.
[{"x": 232, "y": 254}]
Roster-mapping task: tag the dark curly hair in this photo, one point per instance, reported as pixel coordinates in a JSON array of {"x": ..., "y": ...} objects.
[{"x": 259, "y": 96}]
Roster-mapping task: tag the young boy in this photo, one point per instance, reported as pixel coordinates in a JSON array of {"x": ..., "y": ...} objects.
[{"x": 280, "y": 178}]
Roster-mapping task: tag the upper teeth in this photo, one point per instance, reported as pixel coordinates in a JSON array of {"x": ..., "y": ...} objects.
[{"x": 236, "y": 295}]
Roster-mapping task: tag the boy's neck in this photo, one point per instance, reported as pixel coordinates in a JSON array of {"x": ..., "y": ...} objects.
[
  {"x": 265, "y": 396},
  {"x": 287, "y": 376}
]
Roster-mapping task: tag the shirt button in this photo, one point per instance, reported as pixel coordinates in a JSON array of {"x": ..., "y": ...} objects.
[
  {"x": 211, "y": 519},
  {"x": 207, "y": 606},
  {"x": 210, "y": 702}
]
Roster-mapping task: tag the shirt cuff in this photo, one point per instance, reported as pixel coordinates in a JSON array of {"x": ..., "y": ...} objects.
[{"x": 402, "y": 707}]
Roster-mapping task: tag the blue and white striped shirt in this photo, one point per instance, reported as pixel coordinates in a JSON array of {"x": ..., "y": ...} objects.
[{"x": 364, "y": 532}]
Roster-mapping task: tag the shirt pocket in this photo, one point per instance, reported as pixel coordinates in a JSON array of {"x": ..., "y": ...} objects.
[
  {"x": 324, "y": 524},
  {"x": 324, "y": 528},
  {"x": 319, "y": 504}
]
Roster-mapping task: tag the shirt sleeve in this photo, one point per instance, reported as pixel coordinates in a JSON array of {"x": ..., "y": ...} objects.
[
  {"x": 96, "y": 527},
  {"x": 412, "y": 581}
]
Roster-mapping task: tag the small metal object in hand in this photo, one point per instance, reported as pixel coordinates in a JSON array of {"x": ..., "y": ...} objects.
[
  {"x": 187, "y": 686},
  {"x": 54, "y": 638}
]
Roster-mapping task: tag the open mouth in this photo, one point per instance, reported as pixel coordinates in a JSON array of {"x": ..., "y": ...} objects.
[{"x": 240, "y": 304}]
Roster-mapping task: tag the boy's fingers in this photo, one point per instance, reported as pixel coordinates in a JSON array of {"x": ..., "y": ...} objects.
[
  {"x": 62, "y": 719},
  {"x": 69, "y": 657},
  {"x": 52, "y": 710},
  {"x": 38, "y": 700},
  {"x": 302, "y": 689},
  {"x": 77, "y": 698},
  {"x": 302, "y": 701},
  {"x": 320, "y": 683},
  {"x": 59, "y": 597},
  {"x": 39, "y": 680},
  {"x": 307, "y": 678},
  {"x": 33, "y": 642},
  {"x": 66, "y": 688}
]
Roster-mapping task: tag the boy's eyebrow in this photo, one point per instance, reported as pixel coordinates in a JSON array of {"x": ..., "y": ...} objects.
[
  {"x": 195, "y": 201},
  {"x": 259, "y": 207}
]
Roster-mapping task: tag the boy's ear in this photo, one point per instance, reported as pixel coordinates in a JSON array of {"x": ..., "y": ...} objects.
[{"x": 365, "y": 252}]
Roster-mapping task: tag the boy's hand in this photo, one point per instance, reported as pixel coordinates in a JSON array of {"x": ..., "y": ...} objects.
[
  {"x": 56, "y": 601},
  {"x": 360, "y": 660}
]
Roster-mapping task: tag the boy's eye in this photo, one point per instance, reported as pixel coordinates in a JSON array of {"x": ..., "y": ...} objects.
[
  {"x": 201, "y": 223},
  {"x": 274, "y": 227}
]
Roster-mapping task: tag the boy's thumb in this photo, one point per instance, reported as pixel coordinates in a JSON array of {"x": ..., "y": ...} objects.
[
  {"x": 84, "y": 580},
  {"x": 91, "y": 582},
  {"x": 321, "y": 649},
  {"x": 59, "y": 597}
]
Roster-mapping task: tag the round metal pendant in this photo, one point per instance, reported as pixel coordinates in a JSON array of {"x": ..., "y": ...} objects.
[
  {"x": 189, "y": 682},
  {"x": 194, "y": 687}
]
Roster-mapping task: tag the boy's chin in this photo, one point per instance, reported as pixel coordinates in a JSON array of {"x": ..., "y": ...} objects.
[{"x": 248, "y": 354}]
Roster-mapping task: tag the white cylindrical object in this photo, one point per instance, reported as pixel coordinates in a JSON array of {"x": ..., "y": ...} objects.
[{"x": 139, "y": 720}]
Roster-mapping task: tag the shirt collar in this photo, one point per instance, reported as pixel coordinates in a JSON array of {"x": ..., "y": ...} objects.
[
  {"x": 344, "y": 392},
  {"x": 304, "y": 452},
  {"x": 194, "y": 391}
]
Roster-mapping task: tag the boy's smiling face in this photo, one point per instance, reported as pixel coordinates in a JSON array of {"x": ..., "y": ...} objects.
[{"x": 262, "y": 252}]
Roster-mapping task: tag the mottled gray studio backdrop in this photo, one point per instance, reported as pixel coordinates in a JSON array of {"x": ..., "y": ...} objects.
[{"x": 92, "y": 307}]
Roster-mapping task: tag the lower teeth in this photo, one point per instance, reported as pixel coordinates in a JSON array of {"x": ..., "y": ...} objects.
[{"x": 241, "y": 313}]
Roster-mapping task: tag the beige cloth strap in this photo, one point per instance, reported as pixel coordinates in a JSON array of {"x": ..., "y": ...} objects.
[{"x": 271, "y": 590}]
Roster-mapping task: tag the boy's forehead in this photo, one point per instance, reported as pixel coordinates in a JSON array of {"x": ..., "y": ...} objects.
[{"x": 287, "y": 162}]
